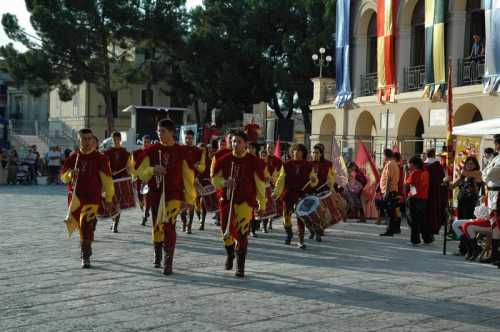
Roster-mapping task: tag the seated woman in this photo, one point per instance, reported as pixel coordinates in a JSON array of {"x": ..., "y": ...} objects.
[{"x": 470, "y": 228}]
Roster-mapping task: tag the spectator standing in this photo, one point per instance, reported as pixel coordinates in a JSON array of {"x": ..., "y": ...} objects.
[
  {"x": 54, "y": 165},
  {"x": 488, "y": 155},
  {"x": 389, "y": 181},
  {"x": 438, "y": 195},
  {"x": 12, "y": 162},
  {"x": 357, "y": 181},
  {"x": 418, "y": 193},
  {"x": 32, "y": 160}
]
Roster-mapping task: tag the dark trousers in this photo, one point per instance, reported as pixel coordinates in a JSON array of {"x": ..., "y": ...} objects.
[
  {"x": 389, "y": 205},
  {"x": 418, "y": 226}
]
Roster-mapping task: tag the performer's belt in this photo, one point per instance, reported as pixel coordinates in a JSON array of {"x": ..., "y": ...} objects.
[{"x": 496, "y": 188}]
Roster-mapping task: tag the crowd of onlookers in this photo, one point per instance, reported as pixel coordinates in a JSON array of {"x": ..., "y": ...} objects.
[{"x": 26, "y": 169}]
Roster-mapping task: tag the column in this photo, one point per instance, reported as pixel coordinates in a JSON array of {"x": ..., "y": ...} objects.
[
  {"x": 403, "y": 56},
  {"x": 358, "y": 63}
]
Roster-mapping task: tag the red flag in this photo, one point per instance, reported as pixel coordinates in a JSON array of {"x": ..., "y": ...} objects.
[
  {"x": 367, "y": 165},
  {"x": 277, "y": 149}
]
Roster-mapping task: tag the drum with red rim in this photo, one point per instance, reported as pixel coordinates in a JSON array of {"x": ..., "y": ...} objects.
[
  {"x": 124, "y": 198},
  {"x": 208, "y": 197},
  {"x": 312, "y": 212},
  {"x": 334, "y": 204}
]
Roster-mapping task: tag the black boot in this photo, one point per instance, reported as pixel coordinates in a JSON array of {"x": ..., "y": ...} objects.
[
  {"x": 144, "y": 220},
  {"x": 495, "y": 255},
  {"x": 476, "y": 250},
  {"x": 202, "y": 222},
  {"x": 301, "y": 243},
  {"x": 468, "y": 246},
  {"x": 318, "y": 236},
  {"x": 264, "y": 226},
  {"x": 189, "y": 226},
  {"x": 254, "y": 227},
  {"x": 270, "y": 226},
  {"x": 240, "y": 263},
  {"x": 86, "y": 252},
  {"x": 228, "y": 265},
  {"x": 169, "y": 260},
  {"x": 158, "y": 254},
  {"x": 289, "y": 235},
  {"x": 312, "y": 234},
  {"x": 116, "y": 221}
]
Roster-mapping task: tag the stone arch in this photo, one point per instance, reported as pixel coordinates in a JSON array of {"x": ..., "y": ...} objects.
[
  {"x": 410, "y": 131},
  {"x": 466, "y": 113},
  {"x": 365, "y": 125},
  {"x": 405, "y": 12},
  {"x": 327, "y": 129},
  {"x": 363, "y": 16}
]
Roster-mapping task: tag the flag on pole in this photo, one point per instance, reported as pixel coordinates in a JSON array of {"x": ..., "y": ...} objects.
[
  {"x": 344, "y": 93},
  {"x": 339, "y": 165},
  {"x": 277, "y": 149},
  {"x": 435, "y": 77},
  {"x": 367, "y": 165},
  {"x": 386, "y": 27},
  {"x": 492, "y": 46}
]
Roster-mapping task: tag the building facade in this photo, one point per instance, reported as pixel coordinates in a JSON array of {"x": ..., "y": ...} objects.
[{"x": 413, "y": 123}]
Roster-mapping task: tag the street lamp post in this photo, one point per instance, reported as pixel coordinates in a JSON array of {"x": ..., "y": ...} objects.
[{"x": 322, "y": 60}]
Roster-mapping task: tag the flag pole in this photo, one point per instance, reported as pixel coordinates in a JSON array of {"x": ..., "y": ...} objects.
[{"x": 450, "y": 155}]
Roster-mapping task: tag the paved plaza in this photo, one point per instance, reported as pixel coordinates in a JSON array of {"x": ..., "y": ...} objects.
[{"x": 353, "y": 281}]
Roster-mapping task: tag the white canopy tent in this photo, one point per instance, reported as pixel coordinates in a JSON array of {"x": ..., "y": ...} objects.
[{"x": 480, "y": 128}]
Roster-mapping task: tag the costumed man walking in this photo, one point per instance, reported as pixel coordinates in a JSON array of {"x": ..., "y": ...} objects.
[
  {"x": 222, "y": 150},
  {"x": 274, "y": 165},
  {"x": 165, "y": 168},
  {"x": 295, "y": 175},
  {"x": 203, "y": 179},
  {"x": 120, "y": 162},
  {"x": 87, "y": 174},
  {"x": 326, "y": 177},
  {"x": 491, "y": 175},
  {"x": 438, "y": 198},
  {"x": 140, "y": 186},
  {"x": 241, "y": 177},
  {"x": 389, "y": 181},
  {"x": 196, "y": 161}
]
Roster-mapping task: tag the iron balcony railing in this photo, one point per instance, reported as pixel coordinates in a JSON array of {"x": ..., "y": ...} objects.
[
  {"x": 470, "y": 71},
  {"x": 414, "y": 78},
  {"x": 369, "y": 84}
]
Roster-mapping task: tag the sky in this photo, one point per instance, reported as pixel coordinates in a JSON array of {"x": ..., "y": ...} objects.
[{"x": 18, "y": 8}]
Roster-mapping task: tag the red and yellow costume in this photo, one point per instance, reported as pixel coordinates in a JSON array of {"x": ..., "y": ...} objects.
[
  {"x": 249, "y": 193},
  {"x": 274, "y": 165},
  {"x": 325, "y": 173},
  {"x": 86, "y": 180},
  {"x": 197, "y": 163},
  {"x": 203, "y": 179},
  {"x": 294, "y": 177},
  {"x": 136, "y": 155},
  {"x": 166, "y": 193},
  {"x": 220, "y": 192}
]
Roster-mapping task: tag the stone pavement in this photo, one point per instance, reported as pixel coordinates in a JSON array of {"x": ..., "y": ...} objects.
[{"x": 353, "y": 281}]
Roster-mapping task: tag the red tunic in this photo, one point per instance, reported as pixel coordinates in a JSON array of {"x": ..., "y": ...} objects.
[
  {"x": 297, "y": 175},
  {"x": 118, "y": 161},
  {"x": 321, "y": 168},
  {"x": 244, "y": 170},
  {"x": 251, "y": 130},
  {"x": 89, "y": 186},
  {"x": 193, "y": 155},
  {"x": 172, "y": 159}
]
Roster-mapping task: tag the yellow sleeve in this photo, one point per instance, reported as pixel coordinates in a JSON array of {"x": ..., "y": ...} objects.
[
  {"x": 280, "y": 183},
  {"x": 107, "y": 186},
  {"x": 218, "y": 180},
  {"x": 212, "y": 166},
  {"x": 267, "y": 175},
  {"x": 201, "y": 165},
  {"x": 313, "y": 179},
  {"x": 261, "y": 191},
  {"x": 145, "y": 171},
  {"x": 67, "y": 176},
  {"x": 274, "y": 176},
  {"x": 188, "y": 180},
  {"x": 331, "y": 178}
]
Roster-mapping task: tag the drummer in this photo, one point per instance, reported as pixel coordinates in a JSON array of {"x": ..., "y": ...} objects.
[
  {"x": 140, "y": 186},
  {"x": 295, "y": 176},
  {"x": 326, "y": 176},
  {"x": 203, "y": 179},
  {"x": 121, "y": 165}
]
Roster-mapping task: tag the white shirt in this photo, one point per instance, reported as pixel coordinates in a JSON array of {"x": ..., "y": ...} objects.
[
  {"x": 491, "y": 175},
  {"x": 57, "y": 158}
]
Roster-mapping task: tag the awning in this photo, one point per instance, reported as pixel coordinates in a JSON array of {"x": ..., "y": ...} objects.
[{"x": 480, "y": 128}]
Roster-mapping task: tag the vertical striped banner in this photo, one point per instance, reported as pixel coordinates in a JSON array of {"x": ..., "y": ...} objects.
[
  {"x": 344, "y": 93},
  {"x": 492, "y": 46},
  {"x": 435, "y": 77},
  {"x": 386, "y": 28}
]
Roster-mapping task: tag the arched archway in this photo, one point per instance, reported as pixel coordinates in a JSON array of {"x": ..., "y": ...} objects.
[
  {"x": 410, "y": 131},
  {"x": 465, "y": 114},
  {"x": 326, "y": 131},
  {"x": 366, "y": 129}
]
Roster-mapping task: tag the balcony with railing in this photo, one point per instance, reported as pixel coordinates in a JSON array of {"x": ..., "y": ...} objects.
[
  {"x": 414, "y": 78},
  {"x": 369, "y": 84},
  {"x": 470, "y": 71}
]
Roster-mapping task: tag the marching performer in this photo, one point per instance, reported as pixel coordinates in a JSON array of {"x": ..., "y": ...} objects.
[
  {"x": 294, "y": 177},
  {"x": 165, "y": 167},
  {"x": 120, "y": 162},
  {"x": 241, "y": 177},
  {"x": 196, "y": 161},
  {"x": 87, "y": 174},
  {"x": 325, "y": 173},
  {"x": 203, "y": 178},
  {"x": 139, "y": 185},
  {"x": 221, "y": 151},
  {"x": 254, "y": 224},
  {"x": 274, "y": 165}
]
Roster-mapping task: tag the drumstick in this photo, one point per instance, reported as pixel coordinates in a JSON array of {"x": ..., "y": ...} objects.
[
  {"x": 119, "y": 171},
  {"x": 305, "y": 186},
  {"x": 226, "y": 232},
  {"x": 158, "y": 178}
]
